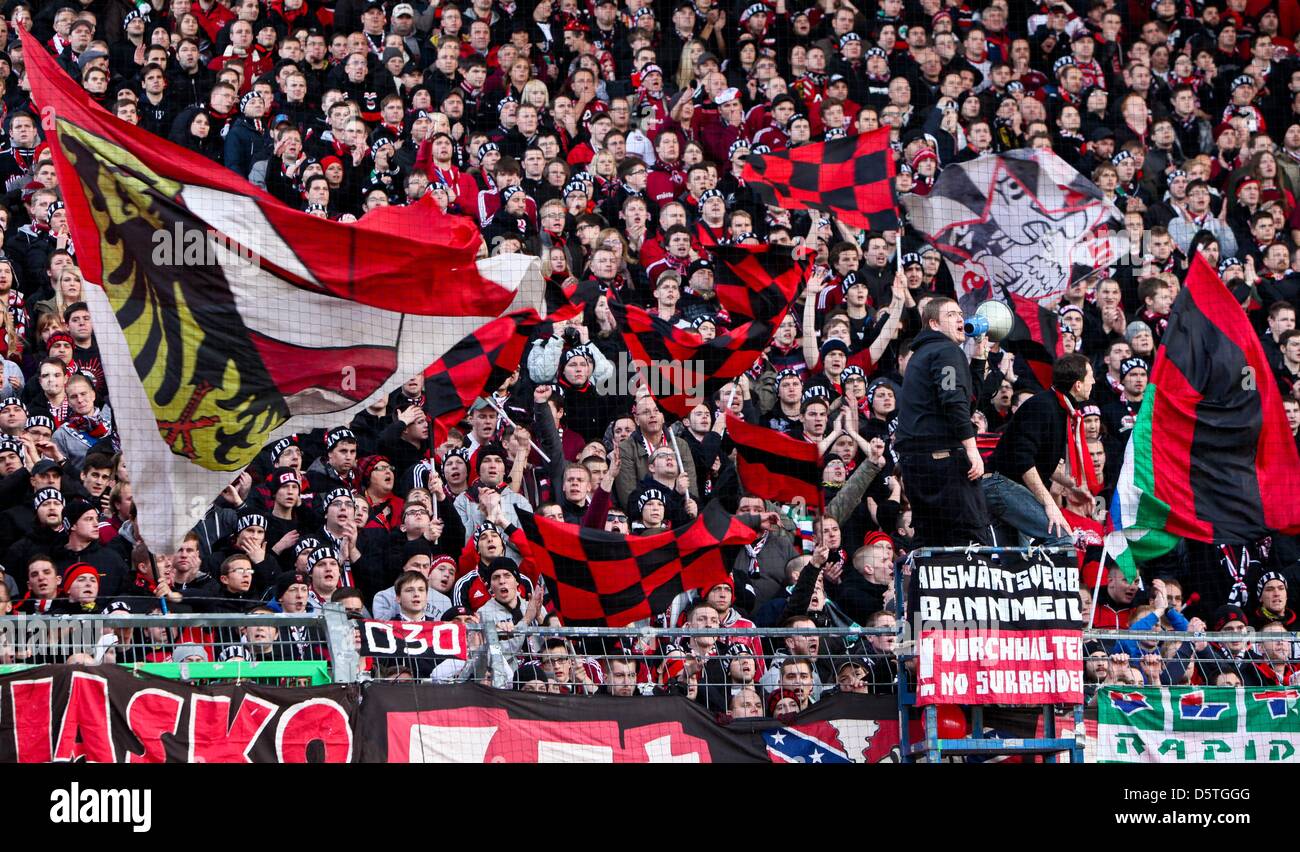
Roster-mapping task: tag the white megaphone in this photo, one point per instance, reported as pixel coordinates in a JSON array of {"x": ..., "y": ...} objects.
[{"x": 993, "y": 318}]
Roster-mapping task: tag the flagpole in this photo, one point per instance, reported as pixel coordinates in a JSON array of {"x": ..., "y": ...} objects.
[
  {"x": 491, "y": 400},
  {"x": 1096, "y": 590},
  {"x": 153, "y": 564},
  {"x": 677, "y": 454},
  {"x": 902, "y": 226}
]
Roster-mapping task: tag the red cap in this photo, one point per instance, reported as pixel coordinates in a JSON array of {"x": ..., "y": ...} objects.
[
  {"x": 74, "y": 571},
  {"x": 726, "y": 581},
  {"x": 875, "y": 537},
  {"x": 368, "y": 465}
]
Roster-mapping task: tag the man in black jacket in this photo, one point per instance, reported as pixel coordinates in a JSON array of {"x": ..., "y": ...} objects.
[
  {"x": 1029, "y": 455},
  {"x": 236, "y": 592},
  {"x": 81, "y": 544},
  {"x": 867, "y": 589},
  {"x": 939, "y": 462}
]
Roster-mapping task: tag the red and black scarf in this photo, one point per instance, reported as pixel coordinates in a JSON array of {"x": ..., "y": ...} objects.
[{"x": 1081, "y": 469}]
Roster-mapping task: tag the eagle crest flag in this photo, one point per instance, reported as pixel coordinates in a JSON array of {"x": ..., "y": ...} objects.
[
  {"x": 1019, "y": 227},
  {"x": 227, "y": 320}
]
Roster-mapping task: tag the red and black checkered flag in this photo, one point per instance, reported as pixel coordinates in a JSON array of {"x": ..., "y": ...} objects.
[
  {"x": 485, "y": 359},
  {"x": 597, "y": 578},
  {"x": 852, "y": 178},
  {"x": 686, "y": 370},
  {"x": 758, "y": 282},
  {"x": 775, "y": 466}
]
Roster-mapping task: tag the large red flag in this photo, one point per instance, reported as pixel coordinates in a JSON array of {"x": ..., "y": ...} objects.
[
  {"x": 684, "y": 369},
  {"x": 775, "y": 466},
  {"x": 1210, "y": 457},
  {"x": 758, "y": 283},
  {"x": 227, "y": 320},
  {"x": 484, "y": 359}
]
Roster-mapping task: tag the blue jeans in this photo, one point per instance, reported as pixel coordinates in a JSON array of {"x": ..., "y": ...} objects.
[{"x": 1015, "y": 505}]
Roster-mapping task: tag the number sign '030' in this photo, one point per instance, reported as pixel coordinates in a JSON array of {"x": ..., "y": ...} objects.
[{"x": 413, "y": 639}]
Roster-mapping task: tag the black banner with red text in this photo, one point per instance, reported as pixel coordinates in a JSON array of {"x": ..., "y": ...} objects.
[
  {"x": 401, "y": 723},
  {"x": 106, "y": 714}
]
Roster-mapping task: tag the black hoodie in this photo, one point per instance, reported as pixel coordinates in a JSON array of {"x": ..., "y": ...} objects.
[
  {"x": 210, "y": 147},
  {"x": 935, "y": 406}
]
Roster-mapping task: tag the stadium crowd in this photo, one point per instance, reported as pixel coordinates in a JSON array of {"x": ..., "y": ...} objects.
[{"x": 609, "y": 140}]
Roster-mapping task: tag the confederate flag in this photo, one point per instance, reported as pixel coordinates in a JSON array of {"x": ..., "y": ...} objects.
[
  {"x": 852, "y": 178},
  {"x": 775, "y": 466},
  {"x": 605, "y": 579}
]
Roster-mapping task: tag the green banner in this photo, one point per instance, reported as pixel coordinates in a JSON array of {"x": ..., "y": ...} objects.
[{"x": 1195, "y": 724}]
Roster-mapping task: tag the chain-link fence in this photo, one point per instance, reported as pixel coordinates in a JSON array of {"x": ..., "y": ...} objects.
[
  {"x": 1166, "y": 680},
  {"x": 1244, "y": 657},
  {"x": 757, "y": 668},
  {"x": 753, "y": 672},
  {"x": 272, "y": 648}
]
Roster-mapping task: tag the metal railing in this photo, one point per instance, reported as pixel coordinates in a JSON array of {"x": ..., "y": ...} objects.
[
  {"x": 708, "y": 665},
  {"x": 721, "y": 662},
  {"x": 274, "y": 648},
  {"x": 322, "y": 647},
  {"x": 1250, "y": 657}
]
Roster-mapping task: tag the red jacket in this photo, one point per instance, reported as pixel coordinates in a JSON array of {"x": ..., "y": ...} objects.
[
  {"x": 665, "y": 183},
  {"x": 256, "y": 63},
  {"x": 714, "y": 135},
  {"x": 471, "y": 589},
  {"x": 212, "y": 21},
  {"x": 489, "y": 202},
  {"x": 1108, "y": 617},
  {"x": 1270, "y": 677},
  {"x": 463, "y": 184}
]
